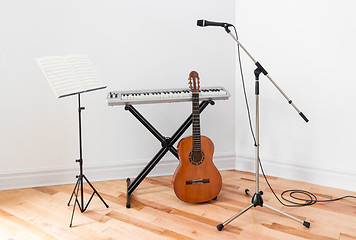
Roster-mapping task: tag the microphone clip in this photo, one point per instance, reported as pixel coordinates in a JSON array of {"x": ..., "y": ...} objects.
[{"x": 226, "y": 27}]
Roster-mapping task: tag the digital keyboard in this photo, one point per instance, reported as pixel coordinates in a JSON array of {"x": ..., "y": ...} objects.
[{"x": 164, "y": 96}]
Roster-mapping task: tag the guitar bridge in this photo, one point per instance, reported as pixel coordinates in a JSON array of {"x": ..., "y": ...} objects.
[{"x": 198, "y": 181}]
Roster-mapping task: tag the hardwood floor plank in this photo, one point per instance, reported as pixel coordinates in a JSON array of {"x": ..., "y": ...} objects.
[
  {"x": 134, "y": 221},
  {"x": 156, "y": 213},
  {"x": 25, "y": 225},
  {"x": 298, "y": 232},
  {"x": 252, "y": 231},
  {"x": 344, "y": 236},
  {"x": 188, "y": 227}
]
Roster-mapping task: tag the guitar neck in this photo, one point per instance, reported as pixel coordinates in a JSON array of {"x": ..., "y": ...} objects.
[{"x": 196, "y": 122}]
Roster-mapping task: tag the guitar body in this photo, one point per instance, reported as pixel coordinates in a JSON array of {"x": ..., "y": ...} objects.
[{"x": 196, "y": 178}]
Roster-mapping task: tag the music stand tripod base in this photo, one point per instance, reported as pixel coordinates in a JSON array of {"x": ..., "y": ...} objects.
[{"x": 81, "y": 176}]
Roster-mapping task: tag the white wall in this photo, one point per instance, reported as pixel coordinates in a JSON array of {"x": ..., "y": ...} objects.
[
  {"x": 308, "y": 48},
  {"x": 133, "y": 45}
]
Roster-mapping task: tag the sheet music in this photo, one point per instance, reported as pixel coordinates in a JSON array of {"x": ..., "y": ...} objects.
[{"x": 68, "y": 75}]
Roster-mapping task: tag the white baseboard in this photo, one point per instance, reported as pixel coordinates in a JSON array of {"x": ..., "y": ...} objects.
[
  {"x": 108, "y": 171},
  {"x": 331, "y": 177},
  {"x": 305, "y": 172}
]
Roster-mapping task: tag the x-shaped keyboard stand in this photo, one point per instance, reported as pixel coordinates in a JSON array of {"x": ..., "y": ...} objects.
[{"x": 167, "y": 145}]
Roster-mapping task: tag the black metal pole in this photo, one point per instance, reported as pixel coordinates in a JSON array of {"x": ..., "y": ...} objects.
[
  {"x": 81, "y": 176},
  {"x": 80, "y": 108},
  {"x": 150, "y": 128},
  {"x": 131, "y": 186}
]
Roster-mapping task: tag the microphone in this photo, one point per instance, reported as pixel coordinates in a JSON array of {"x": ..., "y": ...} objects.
[{"x": 205, "y": 23}]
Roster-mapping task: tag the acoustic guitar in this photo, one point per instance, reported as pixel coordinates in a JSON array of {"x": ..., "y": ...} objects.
[{"x": 196, "y": 178}]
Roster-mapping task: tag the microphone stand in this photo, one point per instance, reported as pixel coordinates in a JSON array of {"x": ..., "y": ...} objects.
[{"x": 257, "y": 197}]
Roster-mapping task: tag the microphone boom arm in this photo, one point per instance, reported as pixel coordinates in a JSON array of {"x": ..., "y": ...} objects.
[{"x": 259, "y": 66}]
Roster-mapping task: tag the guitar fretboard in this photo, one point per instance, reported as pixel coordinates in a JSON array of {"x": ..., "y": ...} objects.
[{"x": 196, "y": 122}]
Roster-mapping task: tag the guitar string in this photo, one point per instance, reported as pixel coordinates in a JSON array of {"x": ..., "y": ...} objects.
[{"x": 196, "y": 122}]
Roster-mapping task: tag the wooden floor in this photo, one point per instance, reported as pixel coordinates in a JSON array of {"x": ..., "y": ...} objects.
[{"x": 156, "y": 213}]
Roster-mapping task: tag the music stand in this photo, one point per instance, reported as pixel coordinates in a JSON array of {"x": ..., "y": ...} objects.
[{"x": 73, "y": 75}]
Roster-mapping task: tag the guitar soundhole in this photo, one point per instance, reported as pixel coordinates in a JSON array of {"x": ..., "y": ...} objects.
[{"x": 196, "y": 157}]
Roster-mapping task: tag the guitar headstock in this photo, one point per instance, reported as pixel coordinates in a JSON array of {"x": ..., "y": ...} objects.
[{"x": 194, "y": 82}]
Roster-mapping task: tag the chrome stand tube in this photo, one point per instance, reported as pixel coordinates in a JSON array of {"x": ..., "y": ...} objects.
[{"x": 257, "y": 197}]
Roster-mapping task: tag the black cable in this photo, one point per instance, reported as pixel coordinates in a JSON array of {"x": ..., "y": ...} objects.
[
  {"x": 310, "y": 198},
  {"x": 244, "y": 89}
]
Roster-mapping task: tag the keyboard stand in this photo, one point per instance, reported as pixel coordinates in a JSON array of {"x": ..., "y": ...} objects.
[{"x": 167, "y": 145}]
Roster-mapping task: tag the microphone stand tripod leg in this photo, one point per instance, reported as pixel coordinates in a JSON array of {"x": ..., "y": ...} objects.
[
  {"x": 221, "y": 226},
  {"x": 247, "y": 192},
  {"x": 306, "y": 224}
]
